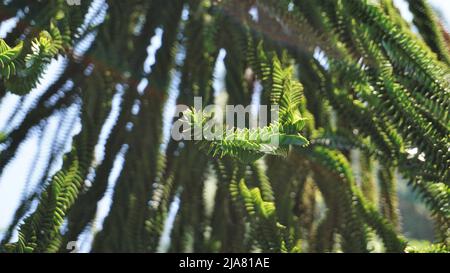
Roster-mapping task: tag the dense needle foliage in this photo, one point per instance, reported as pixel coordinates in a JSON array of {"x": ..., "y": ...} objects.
[{"x": 364, "y": 100}]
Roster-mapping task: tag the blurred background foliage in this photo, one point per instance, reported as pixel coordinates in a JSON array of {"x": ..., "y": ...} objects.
[{"x": 88, "y": 90}]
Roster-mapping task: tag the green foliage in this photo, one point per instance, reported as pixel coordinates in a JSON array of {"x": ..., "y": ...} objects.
[
  {"x": 43, "y": 49},
  {"x": 363, "y": 104},
  {"x": 2, "y": 137},
  {"x": 432, "y": 248},
  {"x": 268, "y": 232},
  {"x": 7, "y": 58},
  {"x": 427, "y": 23}
]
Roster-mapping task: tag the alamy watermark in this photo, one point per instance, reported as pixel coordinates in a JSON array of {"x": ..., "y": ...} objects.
[
  {"x": 231, "y": 122},
  {"x": 72, "y": 247}
]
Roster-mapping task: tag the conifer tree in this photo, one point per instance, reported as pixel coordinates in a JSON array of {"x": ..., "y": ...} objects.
[{"x": 348, "y": 76}]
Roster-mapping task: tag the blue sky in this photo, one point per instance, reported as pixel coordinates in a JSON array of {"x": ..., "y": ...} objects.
[{"x": 15, "y": 175}]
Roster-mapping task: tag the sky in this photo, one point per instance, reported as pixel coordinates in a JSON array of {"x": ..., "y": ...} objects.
[{"x": 14, "y": 177}]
